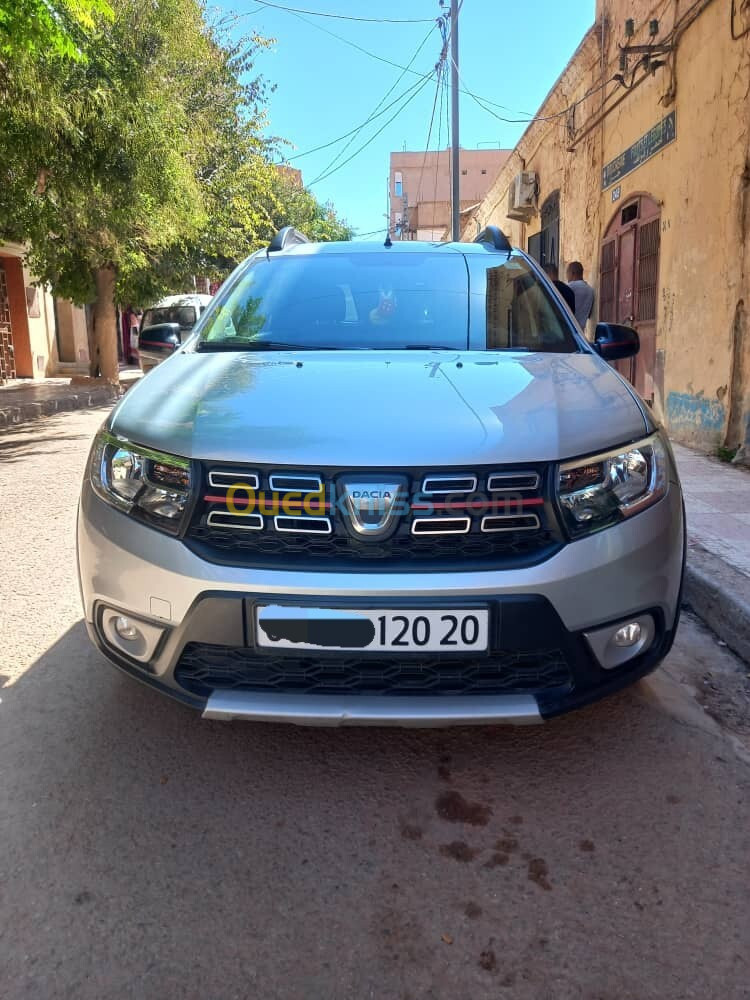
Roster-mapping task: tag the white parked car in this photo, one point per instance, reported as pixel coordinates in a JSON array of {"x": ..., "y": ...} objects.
[{"x": 166, "y": 325}]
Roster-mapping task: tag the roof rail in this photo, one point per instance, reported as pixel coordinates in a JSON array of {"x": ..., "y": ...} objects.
[
  {"x": 495, "y": 237},
  {"x": 287, "y": 237}
]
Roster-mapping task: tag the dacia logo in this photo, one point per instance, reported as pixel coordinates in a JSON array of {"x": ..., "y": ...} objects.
[
  {"x": 371, "y": 494},
  {"x": 371, "y": 508}
]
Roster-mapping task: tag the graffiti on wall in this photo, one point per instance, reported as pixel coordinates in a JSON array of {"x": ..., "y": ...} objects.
[{"x": 689, "y": 411}]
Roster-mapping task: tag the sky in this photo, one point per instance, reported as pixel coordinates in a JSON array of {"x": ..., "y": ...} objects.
[{"x": 509, "y": 53}]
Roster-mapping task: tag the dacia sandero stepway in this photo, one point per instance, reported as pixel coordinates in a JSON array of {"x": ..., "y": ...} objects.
[{"x": 384, "y": 484}]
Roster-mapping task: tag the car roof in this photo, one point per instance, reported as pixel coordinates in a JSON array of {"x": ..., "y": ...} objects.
[
  {"x": 187, "y": 299},
  {"x": 349, "y": 247}
]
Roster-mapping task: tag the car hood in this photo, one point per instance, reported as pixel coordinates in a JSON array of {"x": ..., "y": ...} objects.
[{"x": 355, "y": 409}]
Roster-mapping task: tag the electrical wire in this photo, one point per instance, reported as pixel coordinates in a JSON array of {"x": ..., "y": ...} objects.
[
  {"x": 373, "y": 113},
  {"x": 444, "y": 84},
  {"x": 535, "y": 118},
  {"x": 347, "y": 17},
  {"x": 373, "y": 232},
  {"x": 420, "y": 87},
  {"x": 438, "y": 90},
  {"x": 374, "y": 55},
  {"x": 447, "y": 103},
  {"x": 357, "y": 128}
]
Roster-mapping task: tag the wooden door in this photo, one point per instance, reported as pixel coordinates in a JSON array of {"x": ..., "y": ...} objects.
[
  {"x": 645, "y": 306},
  {"x": 628, "y": 284}
]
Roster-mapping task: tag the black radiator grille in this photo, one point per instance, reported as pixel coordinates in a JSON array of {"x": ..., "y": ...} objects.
[
  {"x": 496, "y": 516},
  {"x": 204, "y": 668}
]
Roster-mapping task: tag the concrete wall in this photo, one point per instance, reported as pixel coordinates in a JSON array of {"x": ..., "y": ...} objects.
[{"x": 701, "y": 182}]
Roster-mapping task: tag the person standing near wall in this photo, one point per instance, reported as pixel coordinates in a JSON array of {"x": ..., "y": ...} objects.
[
  {"x": 565, "y": 290},
  {"x": 583, "y": 292}
]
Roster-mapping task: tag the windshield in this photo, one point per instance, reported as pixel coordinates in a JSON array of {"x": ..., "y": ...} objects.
[
  {"x": 184, "y": 315},
  {"x": 386, "y": 301}
]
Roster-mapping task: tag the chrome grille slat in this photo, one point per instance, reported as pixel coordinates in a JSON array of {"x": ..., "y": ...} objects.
[
  {"x": 303, "y": 525},
  {"x": 241, "y": 522},
  {"x": 443, "y": 485},
  {"x": 512, "y": 482},
  {"x": 223, "y": 480},
  {"x": 440, "y": 526},
  {"x": 291, "y": 483},
  {"x": 510, "y": 522}
]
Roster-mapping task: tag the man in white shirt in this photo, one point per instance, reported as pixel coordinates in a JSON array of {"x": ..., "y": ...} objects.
[{"x": 583, "y": 292}]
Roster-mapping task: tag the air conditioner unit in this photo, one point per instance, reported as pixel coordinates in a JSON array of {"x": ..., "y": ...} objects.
[{"x": 522, "y": 196}]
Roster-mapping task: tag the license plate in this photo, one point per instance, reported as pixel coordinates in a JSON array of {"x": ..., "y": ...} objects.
[{"x": 282, "y": 627}]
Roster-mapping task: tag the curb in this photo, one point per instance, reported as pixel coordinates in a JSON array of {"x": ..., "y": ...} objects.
[
  {"x": 720, "y": 596},
  {"x": 20, "y": 413}
]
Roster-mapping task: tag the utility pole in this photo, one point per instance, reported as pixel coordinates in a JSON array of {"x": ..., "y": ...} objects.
[{"x": 455, "y": 165}]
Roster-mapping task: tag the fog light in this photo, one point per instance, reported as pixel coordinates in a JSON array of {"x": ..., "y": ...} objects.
[
  {"x": 126, "y": 629},
  {"x": 628, "y": 635}
]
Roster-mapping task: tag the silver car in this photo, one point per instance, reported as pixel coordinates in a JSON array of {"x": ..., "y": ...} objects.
[{"x": 384, "y": 484}]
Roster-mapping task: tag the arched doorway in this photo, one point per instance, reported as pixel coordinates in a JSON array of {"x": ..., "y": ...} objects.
[{"x": 629, "y": 281}]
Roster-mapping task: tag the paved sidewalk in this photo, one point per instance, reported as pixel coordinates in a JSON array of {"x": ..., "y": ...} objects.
[
  {"x": 717, "y": 500},
  {"x": 717, "y": 578},
  {"x": 28, "y": 399}
]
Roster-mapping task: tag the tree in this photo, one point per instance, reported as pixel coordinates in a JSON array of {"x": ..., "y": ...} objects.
[
  {"x": 142, "y": 162},
  {"x": 294, "y": 205},
  {"x": 52, "y": 27},
  {"x": 114, "y": 157}
]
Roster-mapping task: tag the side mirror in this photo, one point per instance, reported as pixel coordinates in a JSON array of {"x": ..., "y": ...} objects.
[
  {"x": 159, "y": 340},
  {"x": 614, "y": 342}
]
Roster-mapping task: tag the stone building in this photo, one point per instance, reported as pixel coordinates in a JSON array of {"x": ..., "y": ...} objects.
[
  {"x": 419, "y": 189},
  {"x": 638, "y": 165}
]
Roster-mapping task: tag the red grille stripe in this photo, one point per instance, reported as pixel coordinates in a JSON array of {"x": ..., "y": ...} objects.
[{"x": 480, "y": 505}]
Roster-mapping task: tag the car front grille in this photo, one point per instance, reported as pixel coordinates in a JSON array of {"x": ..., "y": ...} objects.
[
  {"x": 204, "y": 668},
  {"x": 489, "y": 517}
]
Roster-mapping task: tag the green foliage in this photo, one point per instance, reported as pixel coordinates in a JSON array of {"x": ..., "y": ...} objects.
[
  {"x": 48, "y": 27},
  {"x": 725, "y": 454},
  {"x": 145, "y": 155},
  {"x": 296, "y": 206}
]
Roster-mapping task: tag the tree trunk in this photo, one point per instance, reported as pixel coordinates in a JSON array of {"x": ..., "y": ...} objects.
[{"x": 103, "y": 345}]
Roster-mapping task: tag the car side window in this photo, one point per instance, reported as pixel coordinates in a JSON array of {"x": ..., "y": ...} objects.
[{"x": 514, "y": 309}]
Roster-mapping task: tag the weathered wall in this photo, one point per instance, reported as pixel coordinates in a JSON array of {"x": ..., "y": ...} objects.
[
  {"x": 33, "y": 321},
  {"x": 701, "y": 181}
]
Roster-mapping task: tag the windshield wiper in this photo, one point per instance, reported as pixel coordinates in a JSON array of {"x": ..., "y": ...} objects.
[
  {"x": 259, "y": 345},
  {"x": 431, "y": 347}
]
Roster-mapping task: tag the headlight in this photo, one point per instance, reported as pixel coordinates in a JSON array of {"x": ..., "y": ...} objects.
[
  {"x": 150, "y": 485},
  {"x": 599, "y": 491}
]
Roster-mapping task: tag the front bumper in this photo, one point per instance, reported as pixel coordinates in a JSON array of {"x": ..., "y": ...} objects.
[{"x": 632, "y": 569}]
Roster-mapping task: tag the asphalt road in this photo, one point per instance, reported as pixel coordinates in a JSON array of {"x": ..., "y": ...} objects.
[{"x": 145, "y": 853}]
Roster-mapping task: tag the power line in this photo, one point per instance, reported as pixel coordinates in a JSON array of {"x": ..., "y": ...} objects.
[
  {"x": 444, "y": 100},
  {"x": 347, "y": 41},
  {"x": 347, "y": 17},
  {"x": 438, "y": 90},
  {"x": 374, "y": 232},
  {"x": 373, "y": 113},
  {"x": 420, "y": 87},
  {"x": 357, "y": 128},
  {"x": 482, "y": 102},
  {"x": 373, "y": 55}
]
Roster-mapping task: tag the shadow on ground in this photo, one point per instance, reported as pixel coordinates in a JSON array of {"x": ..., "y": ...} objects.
[
  {"x": 147, "y": 853},
  {"x": 35, "y": 436}
]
